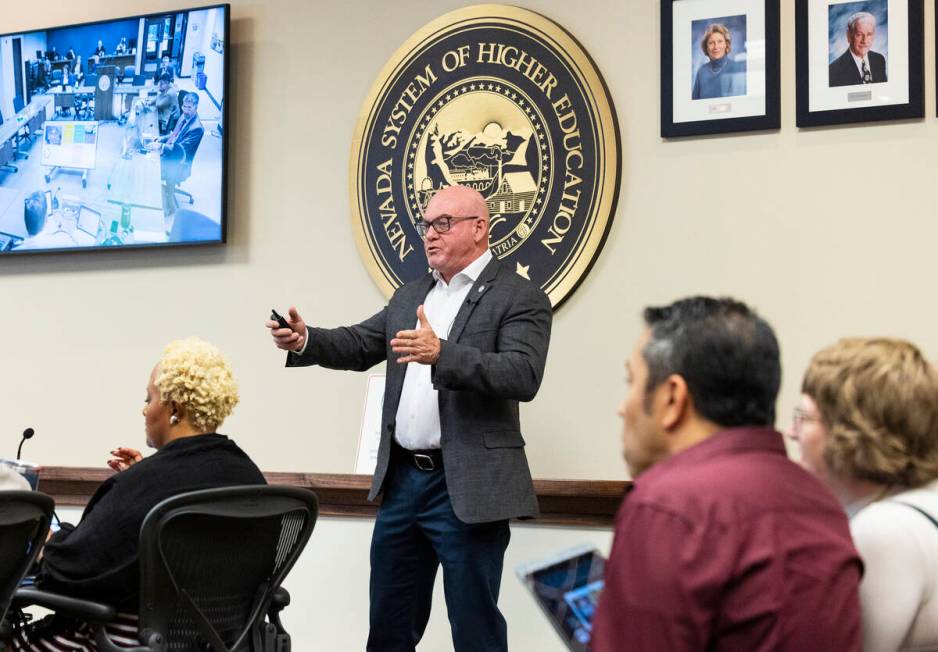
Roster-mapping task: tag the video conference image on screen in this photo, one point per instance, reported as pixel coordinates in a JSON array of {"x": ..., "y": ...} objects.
[{"x": 111, "y": 133}]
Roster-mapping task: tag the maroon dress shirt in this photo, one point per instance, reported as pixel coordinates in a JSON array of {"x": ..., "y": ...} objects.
[{"x": 729, "y": 545}]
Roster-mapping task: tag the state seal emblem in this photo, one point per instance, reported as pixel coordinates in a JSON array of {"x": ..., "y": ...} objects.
[{"x": 505, "y": 101}]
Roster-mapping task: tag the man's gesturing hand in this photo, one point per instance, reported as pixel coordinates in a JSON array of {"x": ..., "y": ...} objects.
[
  {"x": 289, "y": 339},
  {"x": 421, "y": 345}
]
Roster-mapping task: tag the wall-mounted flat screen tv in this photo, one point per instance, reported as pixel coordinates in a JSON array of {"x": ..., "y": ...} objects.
[{"x": 113, "y": 134}]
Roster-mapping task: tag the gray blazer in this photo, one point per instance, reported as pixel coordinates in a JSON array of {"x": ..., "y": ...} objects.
[{"x": 493, "y": 358}]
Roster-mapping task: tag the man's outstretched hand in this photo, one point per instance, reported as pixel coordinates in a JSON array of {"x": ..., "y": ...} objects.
[{"x": 288, "y": 339}]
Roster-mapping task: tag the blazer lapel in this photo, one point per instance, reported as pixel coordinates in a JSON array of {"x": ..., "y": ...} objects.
[
  {"x": 409, "y": 315},
  {"x": 479, "y": 289},
  {"x": 405, "y": 318}
]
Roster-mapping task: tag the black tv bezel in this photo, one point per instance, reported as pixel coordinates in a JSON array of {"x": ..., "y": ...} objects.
[{"x": 224, "y": 138}]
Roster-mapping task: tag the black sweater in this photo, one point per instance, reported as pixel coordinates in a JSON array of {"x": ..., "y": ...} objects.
[{"x": 98, "y": 558}]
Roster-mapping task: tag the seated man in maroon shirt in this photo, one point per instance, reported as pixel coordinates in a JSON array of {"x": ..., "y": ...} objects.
[{"x": 723, "y": 543}]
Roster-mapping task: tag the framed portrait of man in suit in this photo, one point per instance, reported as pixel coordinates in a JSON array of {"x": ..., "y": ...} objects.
[
  {"x": 858, "y": 61},
  {"x": 719, "y": 66}
]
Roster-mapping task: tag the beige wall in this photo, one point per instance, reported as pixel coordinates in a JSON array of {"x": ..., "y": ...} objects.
[{"x": 828, "y": 232}]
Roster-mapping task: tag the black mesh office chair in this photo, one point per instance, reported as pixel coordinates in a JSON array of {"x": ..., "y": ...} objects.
[
  {"x": 211, "y": 564},
  {"x": 24, "y": 523}
]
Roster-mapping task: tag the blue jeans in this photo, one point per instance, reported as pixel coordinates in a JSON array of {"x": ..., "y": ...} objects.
[{"x": 415, "y": 532}]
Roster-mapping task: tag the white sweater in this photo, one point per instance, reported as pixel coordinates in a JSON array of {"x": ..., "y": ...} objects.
[
  {"x": 899, "y": 590},
  {"x": 10, "y": 480}
]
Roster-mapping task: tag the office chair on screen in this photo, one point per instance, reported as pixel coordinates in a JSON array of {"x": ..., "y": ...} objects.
[
  {"x": 125, "y": 75},
  {"x": 35, "y": 124},
  {"x": 64, "y": 104},
  {"x": 7, "y": 155},
  {"x": 211, "y": 564},
  {"x": 25, "y": 132},
  {"x": 57, "y": 77},
  {"x": 24, "y": 523},
  {"x": 84, "y": 106},
  {"x": 191, "y": 226}
]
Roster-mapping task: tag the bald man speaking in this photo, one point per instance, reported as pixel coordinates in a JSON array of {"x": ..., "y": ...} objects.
[{"x": 464, "y": 345}]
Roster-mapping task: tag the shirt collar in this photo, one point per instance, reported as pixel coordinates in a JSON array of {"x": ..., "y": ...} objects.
[
  {"x": 858, "y": 59},
  {"x": 853, "y": 507},
  {"x": 725, "y": 442},
  {"x": 193, "y": 441},
  {"x": 472, "y": 271}
]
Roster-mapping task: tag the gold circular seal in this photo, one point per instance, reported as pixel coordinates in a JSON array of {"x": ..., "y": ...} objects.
[{"x": 503, "y": 100}]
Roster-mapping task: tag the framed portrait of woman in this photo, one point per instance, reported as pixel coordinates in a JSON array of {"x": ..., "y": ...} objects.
[
  {"x": 858, "y": 61},
  {"x": 719, "y": 66}
]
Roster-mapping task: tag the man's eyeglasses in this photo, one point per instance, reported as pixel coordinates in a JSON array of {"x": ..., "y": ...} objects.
[{"x": 442, "y": 224}]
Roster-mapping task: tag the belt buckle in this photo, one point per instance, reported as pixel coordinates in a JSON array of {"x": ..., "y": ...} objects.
[{"x": 424, "y": 462}]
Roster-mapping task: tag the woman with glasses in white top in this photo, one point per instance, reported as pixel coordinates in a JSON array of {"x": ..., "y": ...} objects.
[{"x": 867, "y": 424}]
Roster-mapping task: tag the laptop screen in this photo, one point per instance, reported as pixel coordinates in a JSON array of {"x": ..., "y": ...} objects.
[
  {"x": 567, "y": 589},
  {"x": 88, "y": 220}
]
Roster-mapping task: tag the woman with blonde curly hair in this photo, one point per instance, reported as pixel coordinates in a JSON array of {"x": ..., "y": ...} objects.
[
  {"x": 190, "y": 392},
  {"x": 868, "y": 427}
]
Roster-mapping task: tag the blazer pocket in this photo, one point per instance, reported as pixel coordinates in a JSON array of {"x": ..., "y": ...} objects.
[{"x": 503, "y": 439}]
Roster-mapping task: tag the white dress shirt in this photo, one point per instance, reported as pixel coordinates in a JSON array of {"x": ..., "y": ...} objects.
[
  {"x": 10, "y": 480},
  {"x": 859, "y": 61},
  {"x": 418, "y": 413}
]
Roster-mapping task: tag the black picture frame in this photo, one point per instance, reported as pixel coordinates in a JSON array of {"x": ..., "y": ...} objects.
[
  {"x": 769, "y": 119},
  {"x": 914, "y": 108}
]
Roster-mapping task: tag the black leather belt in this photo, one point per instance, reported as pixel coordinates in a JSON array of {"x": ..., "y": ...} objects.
[{"x": 430, "y": 459}]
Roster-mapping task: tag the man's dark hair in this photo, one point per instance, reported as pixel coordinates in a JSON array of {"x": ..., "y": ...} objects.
[
  {"x": 724, "y": 351},
  {"x": 34, "y": 213},
  {"x": 166, "y": 78}
]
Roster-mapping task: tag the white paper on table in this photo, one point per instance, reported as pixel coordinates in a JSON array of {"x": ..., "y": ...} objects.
[{"x": 370, "y": 437}]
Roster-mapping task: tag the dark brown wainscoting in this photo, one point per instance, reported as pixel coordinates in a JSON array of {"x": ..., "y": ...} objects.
[{"x": 581, "y": 503}]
